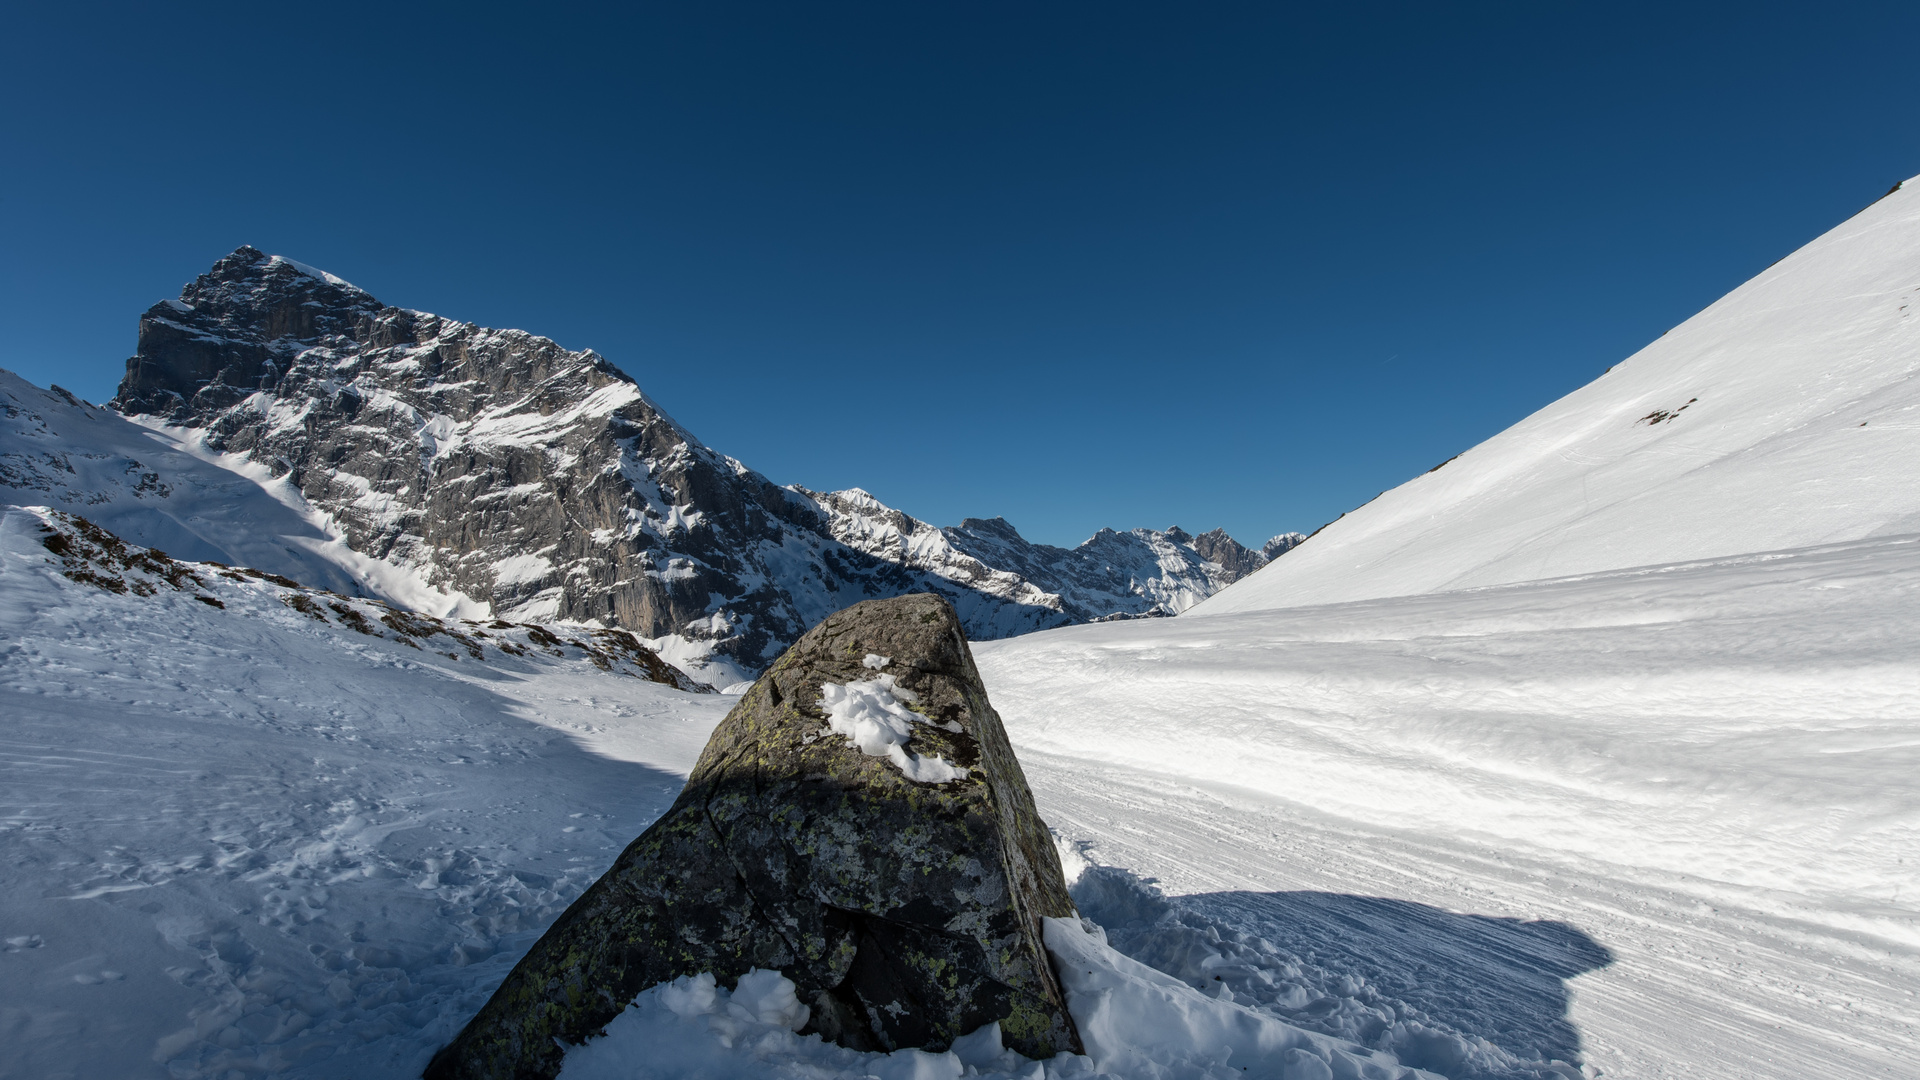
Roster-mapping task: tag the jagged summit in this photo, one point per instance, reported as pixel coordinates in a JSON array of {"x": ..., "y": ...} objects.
[
  {"x": 234, "y": 330},
  {"x": 497, "y": 466}
]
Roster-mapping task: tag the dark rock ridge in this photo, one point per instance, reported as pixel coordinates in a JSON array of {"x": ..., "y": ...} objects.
[
  {"x": 906, "y": 913},
  {"x": 498, "y": 465}
]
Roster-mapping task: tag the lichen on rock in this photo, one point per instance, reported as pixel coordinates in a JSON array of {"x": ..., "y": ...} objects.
[{"x": 907, "y": 913}]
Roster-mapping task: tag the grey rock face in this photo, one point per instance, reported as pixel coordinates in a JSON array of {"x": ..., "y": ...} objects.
[
  {"x": 500, "y": 465},
  {"x": 1236, "y": 560},
  {"x": 1240, "y": 561},
  {"x": 906, "y": 913}
]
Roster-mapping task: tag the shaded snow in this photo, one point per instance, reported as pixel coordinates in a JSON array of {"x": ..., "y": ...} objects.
[
  {"x": 161, "y": 488},
  {"x": 300, "y": 848}
]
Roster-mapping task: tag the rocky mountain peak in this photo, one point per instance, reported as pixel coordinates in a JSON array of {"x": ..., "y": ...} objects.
[
  {"x": 234, "y": 330},
  {"x": 1281, "y": 544},
  {"x": 500, "y": 468}
]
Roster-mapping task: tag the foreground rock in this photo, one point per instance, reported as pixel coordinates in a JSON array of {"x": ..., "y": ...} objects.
[{"x": 906, "y": 911}]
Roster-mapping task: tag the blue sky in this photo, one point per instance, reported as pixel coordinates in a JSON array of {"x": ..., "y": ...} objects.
[{"x": 1078, "y": 265}]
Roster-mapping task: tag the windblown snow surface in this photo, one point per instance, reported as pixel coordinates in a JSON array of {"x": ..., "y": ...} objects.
[
  {"x": 1657, "y": 823},
  {"x": 254, "y": 830}
]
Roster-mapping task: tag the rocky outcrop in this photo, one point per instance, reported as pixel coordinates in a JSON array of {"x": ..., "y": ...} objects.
[
  {"x": 1282, "y": 544},
  {"x": 1236, "y": 560},
  {"x": 898, "y": 883}
]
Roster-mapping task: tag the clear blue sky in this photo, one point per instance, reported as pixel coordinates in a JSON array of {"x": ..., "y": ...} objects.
[{"x": 1074, "y": 264}]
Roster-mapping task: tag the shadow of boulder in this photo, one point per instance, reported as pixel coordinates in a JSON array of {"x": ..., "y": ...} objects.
[{"x": 1465, "y": 996}]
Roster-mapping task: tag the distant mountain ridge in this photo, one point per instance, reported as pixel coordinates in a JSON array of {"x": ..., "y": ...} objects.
[
  {"x": 1111, "y": 572},
  {"x": 495, "y": 468}
]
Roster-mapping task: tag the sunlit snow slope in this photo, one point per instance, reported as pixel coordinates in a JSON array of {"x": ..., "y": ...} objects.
[
  {"x": 254, "y": 829},
  {"x": 1682, "y": 799},
  {"x": 1786, "y": 414}
]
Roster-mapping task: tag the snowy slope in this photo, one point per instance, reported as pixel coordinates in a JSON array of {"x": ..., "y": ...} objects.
[
  {"x": 1660, "y": 822},
  {"x": 261, "y": 836},
  {"x": 159, "y": 491},
  {"x": 1786, "y": 414},
  {"x": 1655, "y": 823}
]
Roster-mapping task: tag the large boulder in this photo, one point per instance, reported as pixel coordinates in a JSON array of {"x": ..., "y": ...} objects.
[{"x": 859, "y": 823}]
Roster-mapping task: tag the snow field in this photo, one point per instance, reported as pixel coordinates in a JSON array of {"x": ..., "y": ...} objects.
[
  {"x": 257, "y": 841},
  {"x": 1681, "y": 795},
  {"x": 244, "y": 841}
]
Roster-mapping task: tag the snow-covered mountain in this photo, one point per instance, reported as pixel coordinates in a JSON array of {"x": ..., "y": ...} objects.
[
  {"x": 462, "y": 468},
  {"x": 1786, "y": 414},
  {"x": 1141, "y": 571}
]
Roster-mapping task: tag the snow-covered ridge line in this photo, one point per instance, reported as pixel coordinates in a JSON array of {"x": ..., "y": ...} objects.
[{"x": 162, "y": 487}]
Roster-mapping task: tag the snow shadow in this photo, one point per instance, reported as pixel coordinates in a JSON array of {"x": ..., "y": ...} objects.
[{"x": 1466, "y": 996}]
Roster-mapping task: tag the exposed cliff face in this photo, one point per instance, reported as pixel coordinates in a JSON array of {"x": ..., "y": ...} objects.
[{"x": 498, "y": 465}]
